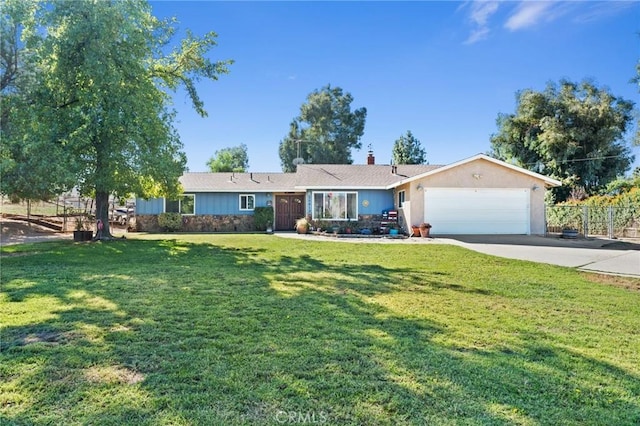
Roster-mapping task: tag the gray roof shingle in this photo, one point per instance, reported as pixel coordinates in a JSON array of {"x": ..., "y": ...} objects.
[
  {"x": 308, "y": 176},
  {"x": 238, "y": 182},
  {"x": 355, "y": 175}
]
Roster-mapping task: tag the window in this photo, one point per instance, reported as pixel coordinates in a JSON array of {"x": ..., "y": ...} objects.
[
  {"x": 186, "y": 204},
  {"x": 335, "y": 205},
  {"x": 247, "y": 201},
  {"x": 400, "y": 199}
]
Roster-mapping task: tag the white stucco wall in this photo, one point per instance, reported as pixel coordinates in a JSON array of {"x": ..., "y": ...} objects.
[{"x": 478, "y": 174}]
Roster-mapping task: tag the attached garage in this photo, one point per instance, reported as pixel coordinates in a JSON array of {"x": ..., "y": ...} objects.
[{"x": 478, "y": 210}]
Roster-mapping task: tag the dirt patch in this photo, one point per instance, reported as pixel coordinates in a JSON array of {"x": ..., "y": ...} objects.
[
  {"x": 47, "y": 337},
  {"x": 628, "y": 283},
  {"x": 113, "y": 374},
  {"x": 16, "y": 232}
]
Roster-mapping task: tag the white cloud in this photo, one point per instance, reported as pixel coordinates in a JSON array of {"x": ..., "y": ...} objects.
[
  {"x": 477, "y": 35},
  {"x": 529, "y": 14},
  {"x": 481, "y": 11},
  {"x": 479, "y": 15},
  {"x": 601, "y": 10}
]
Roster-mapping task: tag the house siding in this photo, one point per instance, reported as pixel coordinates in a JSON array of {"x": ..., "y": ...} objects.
[
  {"x": 207, "y": 203},
  {"x": 227, "y": 203},
  {"x": 150, "y": 206},
  {"x": 379, "y": 200}
]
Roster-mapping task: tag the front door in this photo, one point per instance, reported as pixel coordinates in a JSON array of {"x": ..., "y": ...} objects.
[{"x": 289, "y": 208}]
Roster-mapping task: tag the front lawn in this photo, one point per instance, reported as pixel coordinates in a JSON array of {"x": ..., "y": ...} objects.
[{"x": 261, "y": 330}]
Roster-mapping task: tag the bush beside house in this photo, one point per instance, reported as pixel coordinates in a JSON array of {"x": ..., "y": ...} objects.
[
  {"x": 170, "y": 222},
  {"x": 595, "y": 212},
  {"x": 263, "y": 217}
]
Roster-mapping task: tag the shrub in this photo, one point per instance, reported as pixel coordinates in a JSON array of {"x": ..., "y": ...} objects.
[
  {"x": 170, "y": 221},
  {"x": 263, "y": 217},
  {"x": 626, "y": 212}
]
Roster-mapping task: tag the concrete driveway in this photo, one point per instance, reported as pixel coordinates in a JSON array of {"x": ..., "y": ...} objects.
[
  {"x": 606, "y": 256},
  {"x": 590, "y": 254}
]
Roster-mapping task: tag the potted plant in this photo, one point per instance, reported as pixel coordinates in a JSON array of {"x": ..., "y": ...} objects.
[
  {"x": 425, "y": 229},
  {"x": 569, "y": 232},
  {"x": 81, "y": 233},
  {"x": 302, "y": 225},
  {"x": 415, "y": 231}
]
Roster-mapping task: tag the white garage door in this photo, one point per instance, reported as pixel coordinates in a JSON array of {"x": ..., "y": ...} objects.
[{"x": 477, "y": 210}]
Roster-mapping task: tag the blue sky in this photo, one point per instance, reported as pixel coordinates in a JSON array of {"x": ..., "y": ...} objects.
[{"x": 443, "y": 70}]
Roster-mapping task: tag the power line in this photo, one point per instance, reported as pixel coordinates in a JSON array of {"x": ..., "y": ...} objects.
[{"x": 575, "y": 160}]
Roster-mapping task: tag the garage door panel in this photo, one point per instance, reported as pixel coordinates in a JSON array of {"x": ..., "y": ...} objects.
[
  {"x": 480, "y": 227},
  {"x": 478, "y": 211}
]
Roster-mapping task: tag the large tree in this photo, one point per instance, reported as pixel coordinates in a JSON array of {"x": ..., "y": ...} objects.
[
  {"x": 326, "y": 130},
  {"x": 233, "y": 159},
  {"x": 571, "y": 132},
  {"x": 20, "y": 177},
  {"x": 99, "y": 117},
  {"x": 407, "y": 149},
  {"x": 636, "y": 81}
]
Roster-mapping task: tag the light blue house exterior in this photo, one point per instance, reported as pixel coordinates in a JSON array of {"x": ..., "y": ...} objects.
[
  {"x": 474, "y": 196},
  {"x": 328, "y": 195}
]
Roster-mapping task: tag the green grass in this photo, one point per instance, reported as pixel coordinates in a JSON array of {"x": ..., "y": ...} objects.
[{"x": 261, "y": 330}]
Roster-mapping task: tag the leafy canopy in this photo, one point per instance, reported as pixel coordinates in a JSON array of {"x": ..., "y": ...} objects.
[
  {"x": 407, "y": 149},
  {"x": 233, "y": 159},
  {"x": 22, "y": 175},
  {"x": 326, "y": 130},
  {"x": 571, "y": 132},
  {"x": 98, "y": 114},
  {"x": 636, "y": 81}
]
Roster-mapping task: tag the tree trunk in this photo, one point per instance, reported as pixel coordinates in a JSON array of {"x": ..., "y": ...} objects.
[{"x": 102, "y": 216}]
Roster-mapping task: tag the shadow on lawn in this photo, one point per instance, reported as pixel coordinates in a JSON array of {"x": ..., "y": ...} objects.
[{"x": 173, "y": 332}]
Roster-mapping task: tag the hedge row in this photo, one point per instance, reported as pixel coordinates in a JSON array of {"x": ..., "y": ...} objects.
[{"x": 625, "y": 209}]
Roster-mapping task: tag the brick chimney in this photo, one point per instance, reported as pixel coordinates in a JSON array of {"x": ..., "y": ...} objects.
[{"x": 370, "y": 158}]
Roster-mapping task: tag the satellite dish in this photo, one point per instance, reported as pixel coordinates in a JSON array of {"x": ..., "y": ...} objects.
[{"x": 297, "y": 161}]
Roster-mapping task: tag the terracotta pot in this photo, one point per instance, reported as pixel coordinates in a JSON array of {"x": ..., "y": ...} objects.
[{"x": 424, "y": 232}]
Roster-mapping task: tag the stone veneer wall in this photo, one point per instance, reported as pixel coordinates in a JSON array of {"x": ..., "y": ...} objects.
[
  {"x": 242, "y": 223},
  {"x": 201, "y": 223}
]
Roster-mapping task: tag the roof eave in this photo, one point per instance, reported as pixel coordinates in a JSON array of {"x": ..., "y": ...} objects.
[
  {"x": 237, "y": 190},
  {"x": 352, "y": 187},
  {"x": 549, "y": 182}
]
